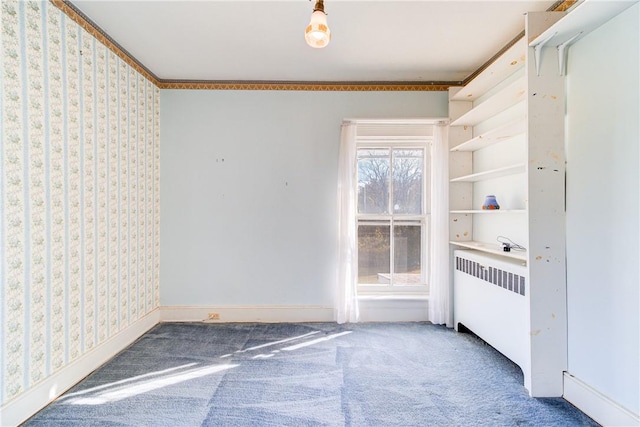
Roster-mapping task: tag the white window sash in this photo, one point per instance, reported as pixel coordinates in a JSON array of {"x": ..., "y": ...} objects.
[{"x": 400, "y": 143}]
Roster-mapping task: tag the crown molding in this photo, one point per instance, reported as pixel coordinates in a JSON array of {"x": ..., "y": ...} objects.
[
  {"x": 562, "y": 6},
  {"x": 92, "y": 28},
  {"x": 306, "y": 86}
]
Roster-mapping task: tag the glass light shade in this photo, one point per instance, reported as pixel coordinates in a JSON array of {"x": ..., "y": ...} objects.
[{"x": 318, "y": 33}]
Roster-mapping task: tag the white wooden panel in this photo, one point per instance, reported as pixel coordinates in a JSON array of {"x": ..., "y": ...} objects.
[
  {"x": 460, "y": 227},
  {"x": 546, "y": 181},
  {"x": 460, "y": 196}
]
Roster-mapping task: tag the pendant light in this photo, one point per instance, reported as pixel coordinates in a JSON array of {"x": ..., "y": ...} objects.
[{"x": 318, "y": 33}]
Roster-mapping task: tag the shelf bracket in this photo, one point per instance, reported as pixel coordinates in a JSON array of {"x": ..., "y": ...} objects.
[
  {"x": 537, "y": 51},
  {"x": 563, "y": 52}
]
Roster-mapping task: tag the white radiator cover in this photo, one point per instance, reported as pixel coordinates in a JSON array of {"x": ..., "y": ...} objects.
[{"x": 490, "y": 297}]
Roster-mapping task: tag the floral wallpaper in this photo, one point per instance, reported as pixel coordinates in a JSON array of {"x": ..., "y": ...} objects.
[{"x": 79, "y": 194}]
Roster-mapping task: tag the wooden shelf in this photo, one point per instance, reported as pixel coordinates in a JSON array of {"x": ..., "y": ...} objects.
[
  {"x": 586, "y": 17},
  {"x": 505, "y": 65},
  {"x": 491, "y": 174},
  {"x": 489, "y": 211},
  {"x": 492, "y": 249},
  {"x": 505, "y": 98},
  {"x": 493, "y": 136},
  {"x": 574, "y": 25}
]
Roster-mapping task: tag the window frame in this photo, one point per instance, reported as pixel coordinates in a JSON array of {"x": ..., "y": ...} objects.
[{"x": 395, "y": 143}]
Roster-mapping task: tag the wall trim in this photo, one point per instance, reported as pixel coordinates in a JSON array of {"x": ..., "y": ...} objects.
[
  {"x": 27, "y": 404},
  {"x": 596, "y": 405},
  {"x": 247, "y": 314},
  {"x": 308, "y": 86}
]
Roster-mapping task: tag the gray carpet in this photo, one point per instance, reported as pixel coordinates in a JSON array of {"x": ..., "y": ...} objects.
[{"x": 314, "y": 374}]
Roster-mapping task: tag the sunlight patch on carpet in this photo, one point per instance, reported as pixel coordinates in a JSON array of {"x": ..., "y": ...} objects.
[
  {"x": 316, "y": 341},
  {"x": 145, "y": 386}
]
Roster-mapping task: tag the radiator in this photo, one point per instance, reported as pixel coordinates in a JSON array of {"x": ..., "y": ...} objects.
[{"x": 490, "y": 298}]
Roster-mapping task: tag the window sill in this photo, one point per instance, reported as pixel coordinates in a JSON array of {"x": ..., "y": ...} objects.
[{"x": 393, "y": 297}]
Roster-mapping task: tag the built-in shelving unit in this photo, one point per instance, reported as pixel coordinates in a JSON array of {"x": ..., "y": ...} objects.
[
  {"x": 507, "y": 140},
  {"x": 488, "y": 98}
]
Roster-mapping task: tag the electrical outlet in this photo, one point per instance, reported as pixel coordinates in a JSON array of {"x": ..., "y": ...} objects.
[{"x": 214, "y": 316}]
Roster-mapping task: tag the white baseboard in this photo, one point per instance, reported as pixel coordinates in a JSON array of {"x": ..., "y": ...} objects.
[
  {"x": 596, "y": 405},
  {"x": 393, "y": 309},
  {"x": 243, "y": 314},
  {"x": 24, "y": 406}
]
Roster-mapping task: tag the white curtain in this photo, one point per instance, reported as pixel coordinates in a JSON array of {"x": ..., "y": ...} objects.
[
  {"x": 347, "y": 298},
  {"x": 439, "y": 287}
]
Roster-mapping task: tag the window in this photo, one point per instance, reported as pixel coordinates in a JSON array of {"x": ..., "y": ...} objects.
[{"x": 392, "y": 217}]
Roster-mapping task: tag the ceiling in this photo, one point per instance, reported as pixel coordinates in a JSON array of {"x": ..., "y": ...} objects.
[{"x": 263, "y": 40}]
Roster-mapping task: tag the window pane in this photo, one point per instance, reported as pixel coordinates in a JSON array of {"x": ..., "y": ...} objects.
[
  {"x": 373, "y": 181},
  {"x": 408, "y": 170},
  {"x": 407, "y": 257},
  {"x": 374, "y": 259}
]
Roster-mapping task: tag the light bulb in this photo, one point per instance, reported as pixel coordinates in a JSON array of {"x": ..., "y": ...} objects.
[{"x": 318, "y": 33}]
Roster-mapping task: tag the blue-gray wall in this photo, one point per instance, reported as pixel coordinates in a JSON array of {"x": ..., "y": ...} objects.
[{"x": 249, "y": 191}]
